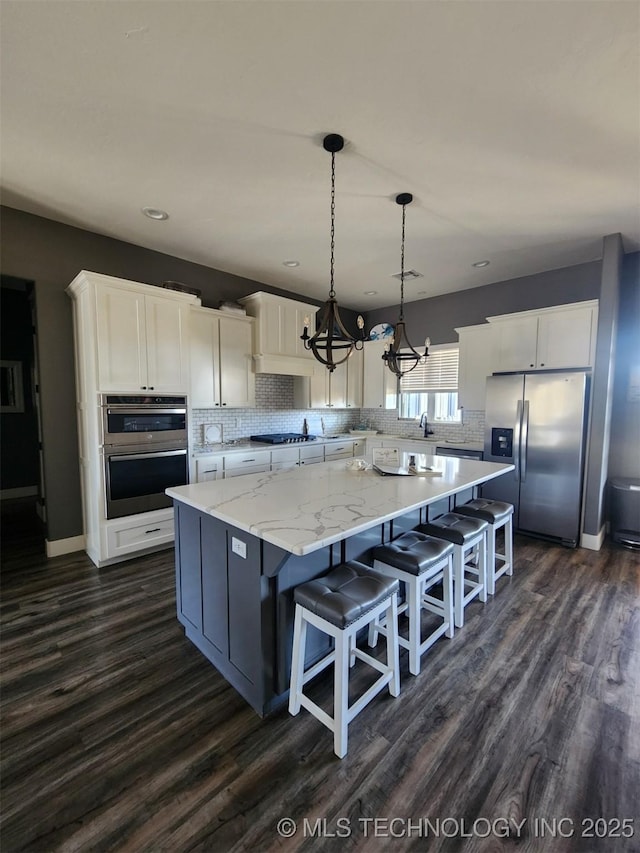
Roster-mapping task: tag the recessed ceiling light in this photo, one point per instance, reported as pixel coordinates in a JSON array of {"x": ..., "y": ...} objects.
[
  {"x": 291, "y": 263},
  {"x": 479, "y": 264},
  {"x": 155, "y": 213},
  {"x": 370, "y": 292}
]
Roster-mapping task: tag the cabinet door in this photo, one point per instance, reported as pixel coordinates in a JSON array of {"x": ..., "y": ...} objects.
[
  {"x": 565, "y": 338},
  {"x": 209, "y": 468},
  {"x": 204, "y": 346},
  {"x": 380, "y": 385},
  {"x": 237, "y": 379},
  {"x": 476, "y": 363},
  {"x": 516, "y": 342},
  {"x": 122, "y": 346},
  {"x": 355, "y": 365},
  {"x": 318, "y": 387},
  {"x": 338, "y": 387},
  {"x": 167, "y": 324}
]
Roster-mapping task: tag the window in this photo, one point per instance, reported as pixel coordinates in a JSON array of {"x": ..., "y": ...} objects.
[{"x": 432, "y": 387}]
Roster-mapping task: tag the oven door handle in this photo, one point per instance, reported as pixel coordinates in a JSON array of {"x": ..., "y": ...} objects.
[
  {"x": 125, "y": 457},
  {"x": 141, "y": 411}
]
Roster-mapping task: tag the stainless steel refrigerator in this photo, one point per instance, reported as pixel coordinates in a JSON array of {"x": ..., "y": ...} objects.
[{"x": 538, "y": 422}]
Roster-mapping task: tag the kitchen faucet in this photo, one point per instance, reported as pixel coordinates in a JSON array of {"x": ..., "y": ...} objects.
[{"x": 425, "y": 423}]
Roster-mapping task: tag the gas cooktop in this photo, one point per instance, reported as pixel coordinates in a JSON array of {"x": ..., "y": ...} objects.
[{"x": 282, "y": 437}]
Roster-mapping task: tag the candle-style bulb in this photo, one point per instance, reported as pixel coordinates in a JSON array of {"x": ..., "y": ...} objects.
[
  {"x": 427, "y": 342},
  {"x": 360, "y": 321}
]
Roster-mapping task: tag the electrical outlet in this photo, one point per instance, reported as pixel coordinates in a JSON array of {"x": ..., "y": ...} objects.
[{"x": 239, "y": 547}]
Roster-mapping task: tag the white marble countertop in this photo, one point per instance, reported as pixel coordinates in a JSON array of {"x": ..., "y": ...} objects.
[{"x": 302, "y": 515}]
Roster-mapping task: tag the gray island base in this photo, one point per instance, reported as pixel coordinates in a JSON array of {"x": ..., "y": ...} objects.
[{"x": 244, "y": 544}]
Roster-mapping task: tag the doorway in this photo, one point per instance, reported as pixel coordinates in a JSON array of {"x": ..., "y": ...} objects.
[{"x": 21, "y": 482}]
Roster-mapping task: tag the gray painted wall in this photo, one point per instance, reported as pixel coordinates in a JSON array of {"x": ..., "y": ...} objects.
[{"x": 438, "y": 317}]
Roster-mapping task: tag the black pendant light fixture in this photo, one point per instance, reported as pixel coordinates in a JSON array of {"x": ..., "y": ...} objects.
[
  {"x": 399, "y": 356},
  {"x": 332, "y": 344}
]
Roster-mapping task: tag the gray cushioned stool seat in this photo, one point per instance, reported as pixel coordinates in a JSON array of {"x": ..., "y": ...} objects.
[
  {"x": 345, "y": 594},
  {"x": 453, "y": 527},
  {"x": 492, "y": 511},
  {"x": 413, "y": 552}
]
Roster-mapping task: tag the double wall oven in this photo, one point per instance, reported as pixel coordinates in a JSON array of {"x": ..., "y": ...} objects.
[{"x": 145, "y": 451}]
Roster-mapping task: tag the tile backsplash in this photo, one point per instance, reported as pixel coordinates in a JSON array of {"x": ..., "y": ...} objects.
[{"x": 275, "y": 412}]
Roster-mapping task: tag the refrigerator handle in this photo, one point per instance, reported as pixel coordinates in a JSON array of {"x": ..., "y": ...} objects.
[
  {"x": 516, "y": 441},
  {"x": 525, "y": 442}
]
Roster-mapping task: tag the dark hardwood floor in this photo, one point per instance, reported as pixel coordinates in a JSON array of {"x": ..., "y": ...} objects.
[{"x": 519, "y": 734}]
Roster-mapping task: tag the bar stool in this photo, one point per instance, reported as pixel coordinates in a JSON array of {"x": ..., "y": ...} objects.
[
  {"x": 469, "y": 538},
  {"x": 420, "y": 562},
  {"x": 340, "y": 603},
  {"x": 498, "y": 514}
]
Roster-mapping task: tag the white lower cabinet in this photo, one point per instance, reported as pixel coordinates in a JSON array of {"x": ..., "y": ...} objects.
[
  {"x": 209, "y": 468},
  {"x": 285, "y": 458},
  {"x": 338, "y": 450},
  {"x": 135, "y": 533},
  {"x": 250, "y": 462},
  {"x": 311, "y": 453}
]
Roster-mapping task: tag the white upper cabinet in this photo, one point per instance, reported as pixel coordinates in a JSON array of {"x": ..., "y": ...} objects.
[
  {"x": 476, "y": 362},
  {"x": 279, "y": 325},
  {"x": 563, "y": 336},
  {"x": 380, "y": 385},
  {"x": 339, "y": 389},
  {"x": 221, "y": 356},
  {"x": 141, "y": 333},
  {"x": 355, "y": 379}
]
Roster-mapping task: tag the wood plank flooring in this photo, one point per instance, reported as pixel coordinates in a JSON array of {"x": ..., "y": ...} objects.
[{"x": 519, "y": 733}]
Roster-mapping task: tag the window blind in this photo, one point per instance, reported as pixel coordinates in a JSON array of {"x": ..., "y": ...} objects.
[{"x": 438, "y": 373}]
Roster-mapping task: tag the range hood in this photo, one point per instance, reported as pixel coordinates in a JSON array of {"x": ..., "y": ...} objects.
[
  {"x": 277, "y": 347},
  {"x": 284, "y": 365}
]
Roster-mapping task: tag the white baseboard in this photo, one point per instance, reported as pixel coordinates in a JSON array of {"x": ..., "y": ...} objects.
[
  {"x": 58, "y": 547},
  {"x": 593, "y": 543},
  {"x": 20, "y": 492}
]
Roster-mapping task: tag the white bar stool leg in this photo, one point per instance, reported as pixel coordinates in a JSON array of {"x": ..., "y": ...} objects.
[
  {"x": 341, "y": 692},
  {"x": 297, "y": 660}
]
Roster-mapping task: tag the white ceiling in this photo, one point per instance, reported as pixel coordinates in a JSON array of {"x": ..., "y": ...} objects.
[{"x": 516, "y": 125}]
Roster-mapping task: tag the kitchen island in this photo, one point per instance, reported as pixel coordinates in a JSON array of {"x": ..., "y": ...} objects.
[{"x": 244, "y": 544}]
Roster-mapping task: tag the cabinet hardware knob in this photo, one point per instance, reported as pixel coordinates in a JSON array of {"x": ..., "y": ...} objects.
[
  {"x": 144, "y": 387},
  {"x": 542, "y": 364}
]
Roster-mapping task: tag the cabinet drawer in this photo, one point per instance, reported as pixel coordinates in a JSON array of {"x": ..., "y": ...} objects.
[
  {"x": 126, "y": 536},
  {"x": 313, "y": 452},
  {"x": 250, "y": 459},
  {"x": 246, "y": 469},
  {"x": 338, "y": 451}
]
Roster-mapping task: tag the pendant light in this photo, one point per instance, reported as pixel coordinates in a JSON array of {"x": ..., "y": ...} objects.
[
  {"x": 399, "y": 356},
  {"x": 332, "y": 344}
]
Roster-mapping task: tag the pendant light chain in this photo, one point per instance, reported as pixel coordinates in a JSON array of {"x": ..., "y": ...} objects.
[
  {"x": 332, "y": 291},
  {"x": 404, "y": 207},
  {"x": 332, "y": 343}
]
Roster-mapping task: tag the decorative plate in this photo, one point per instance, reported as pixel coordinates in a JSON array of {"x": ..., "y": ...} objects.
[{"x": 381, "y": 331}]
